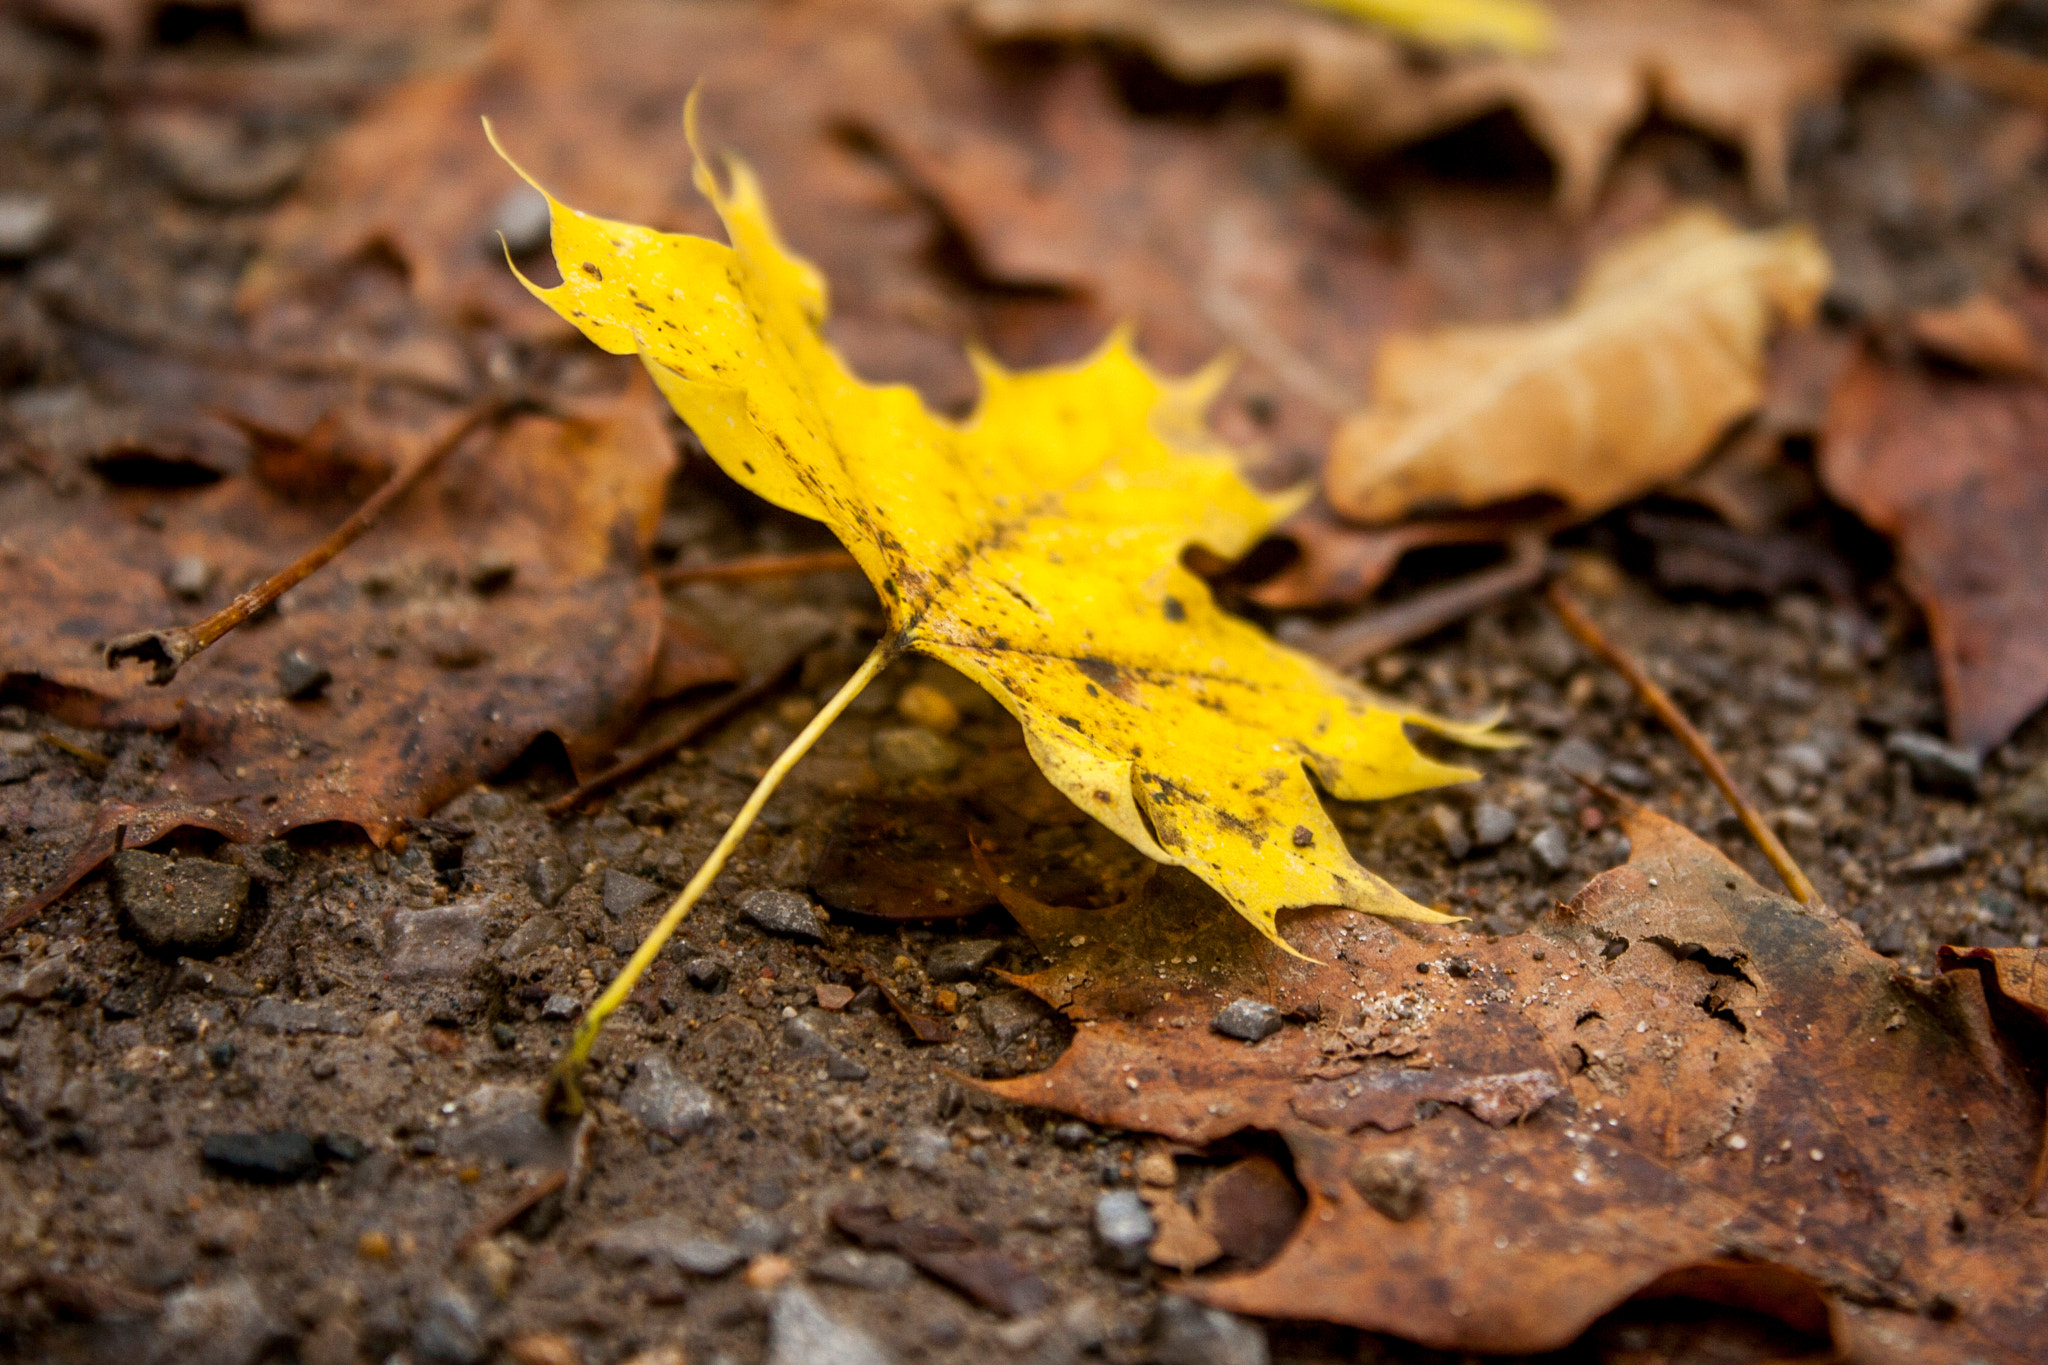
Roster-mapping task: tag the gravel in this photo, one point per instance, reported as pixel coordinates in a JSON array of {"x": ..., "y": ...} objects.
[
  {"x": 962, "y": 959},
  {"x": 1248, "y": 1019},
  {"x": 190, "y": 906},
  {"x": 1492, "y": 825},
  {"x": 788, "y": 913},
  {"x": 277, "y": 1158},
  {"x": 801, "y": 1332},
  {"x": 623, "y": 893},
  {"x": 1186, "y": 1333},
  {"x": 1123, "y": 1229},
  {"x": 1937, "y": 766},
  {"x": 1552, "y": 848},
  {"x": 666, "y": 1103}
]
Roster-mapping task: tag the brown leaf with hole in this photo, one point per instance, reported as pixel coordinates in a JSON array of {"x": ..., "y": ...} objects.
[
  {"x": 1501, "y": 1140},
  {"x": 1955, "y": 472},
  {"x": 1738, "y": 72},
  {"x": 504, "y": 599},
  {"x": 1660, "y": 350}
]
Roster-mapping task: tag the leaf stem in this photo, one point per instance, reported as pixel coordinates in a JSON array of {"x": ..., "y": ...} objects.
[
  {"x": 564, "y": 1097},
  {"x": 1580, "y": 624}
]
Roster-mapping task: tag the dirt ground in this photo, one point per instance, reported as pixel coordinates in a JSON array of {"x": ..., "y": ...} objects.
[{"x": 399, "y": 1007}]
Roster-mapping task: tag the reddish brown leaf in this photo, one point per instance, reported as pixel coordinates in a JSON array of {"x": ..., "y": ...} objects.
[
  {"x": 1955, "y": 471},
  {"x": 1502, "y": 1140},
  {"x": 949, "y": 1254},
  {"x": 502, "y": 600}
]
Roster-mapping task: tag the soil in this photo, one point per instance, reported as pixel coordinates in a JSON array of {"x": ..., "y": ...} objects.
[{"x": 348, "y": 1012}]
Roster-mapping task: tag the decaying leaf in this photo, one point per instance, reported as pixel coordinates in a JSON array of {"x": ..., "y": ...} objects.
[
  {"x": 503, "y": 600},
  {"x": 1502, "y": 1139},
  {"x": 1035, "y": 547},
  {"x": 1955, "y": 471},
  {"x": 1661, "y": 348},
  {"x": 1736, "y": 71}
]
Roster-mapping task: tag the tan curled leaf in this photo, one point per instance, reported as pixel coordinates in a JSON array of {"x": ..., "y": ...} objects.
[{"x": 1660, "y": 349}]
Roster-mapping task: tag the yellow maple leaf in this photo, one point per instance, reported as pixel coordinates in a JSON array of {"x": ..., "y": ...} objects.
[
  {"x": 1034, "y": 546},
  {"x": 1521, "y": 26}
]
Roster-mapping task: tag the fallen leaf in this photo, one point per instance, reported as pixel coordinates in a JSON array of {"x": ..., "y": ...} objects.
[
  {"x": 1181, "y": 1242},
  {"x": 1734, "y": 71},
  {"x": 1980, "y": 333},
  {"x": 1661, "y": 348},
  {"x": 1500, "y": 1140},
  {"x": 1955, "y": 472},
  {"x": 1250, "y": 1207},
  {"x": 1035, "y": 547},
  {"x": 949, "y": 1254},
  {"x": 434, "y": 683}
]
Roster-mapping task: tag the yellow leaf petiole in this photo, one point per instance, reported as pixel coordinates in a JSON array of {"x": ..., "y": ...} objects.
[{"x": 564, "y": 1095}]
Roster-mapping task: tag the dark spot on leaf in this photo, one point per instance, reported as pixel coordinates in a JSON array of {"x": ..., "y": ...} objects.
[
  {"x": 1174, "y": 610},
  {"x": 592, "y": 271},
  {"x": 1303, "y": 837}
]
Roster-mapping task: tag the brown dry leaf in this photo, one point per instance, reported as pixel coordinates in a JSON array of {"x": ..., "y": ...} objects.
[
  {"x": 504, "y": 599},
  {"x": 1737, "y": 71},
  {"x": 1501, "y": 1140},
  {"x": 1181, "y": 1243},
  {"x": 1955, "y": 471},
  {"x": 1980, "y": 332},
  {"x": 592, "y": 94},
  {"x": 1661, "y": 348}
]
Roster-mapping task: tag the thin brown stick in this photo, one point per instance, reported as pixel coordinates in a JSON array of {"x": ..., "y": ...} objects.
[
  {"x": 760, "y": 566},
  {"x": 168, "y": 649},
  {"x": 1355, "y": 641},
  {"x": 720, "y": 711},
  {"x": 1581, "y": 625},
  {"x": 525, "y": 1202}
]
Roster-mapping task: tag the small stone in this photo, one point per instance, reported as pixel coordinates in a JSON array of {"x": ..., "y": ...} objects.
[
  {"x": 300, "y": 677},
  {"x": 223, "y": 1323},
  {"x": 438, "y": 944},
  {"x": 261, "y": 1158},
  {"x": 788, "y": 913},
  {"x": 624, "y": 893},
  {"x": 522, "y": 219},
  {"x": 834, "y": 997},
  {"x": 707, "y": 974},
  {"x": 800, "y": 1332},
  {"x": 908, "y": 753},
  {"x": 1580, "y": 758},
  {"x": 210, "y": 978},
  {"x": 877, "y": 1270},
  {"x": 1781, "y": 783},
  {"x": 924, "y": 705},
  {"x": 961, "y": 959},
  {"x": 1492, "y": 825},
  {"x": 190, "y": 905},
  {"x": 1187, "y": 1333},
  {"x": 767, "y": 1193},
  {"x": 1936, "y": 861},
  {"x": 840, "y": 1067},
  {"x": 28, "y": 222},
  {"x": 760, "y": 1234},
  {"x": 2026, "y": 803},
  {"x": 1248, "y": 1019},
  {"x": 1073, "y": 1135},
  {"x": 559, "y": 1008},
  {"x": 291, "y": 1018},
  {"x": 1010, "y": 1015},
  {"x": 1630, "y": 776},
  {"x": 666, "y": 1103},
  {"x": 189, "y": 577},
  {"x": 1450, "y": 828},
  {"x": 549, "y": 877},
  {"x": 667, "y": 1238},
  {"x": 502, "y": 1123},
  {"x": 1552, "y": 849},
  {"x": 1123, "y": 1229},
  {"x": 340, "y": 1147},
  {"x": 1392, "y": 1182},
  {"x": 922, "y": 1149},
  {"x": 1936, "y": 766},
  {"x": 531, "y": 936},
  {"x": 1806, "y": 760},
  {"x": 449, "y": 1331},
  {"x": 1892, "y": 940}
]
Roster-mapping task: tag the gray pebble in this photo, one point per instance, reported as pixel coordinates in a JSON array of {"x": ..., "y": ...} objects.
[
  {"x": 534, "y": 934},
  {"x": 1580, "y": 758},
  {"x": 666, "y": 1103},
  {"x": 1187, "y": 1333},
  {"x": 1781, "y": 783},
  {"x": 189, "y": 904},
  {"x": 789, "y": 913},
  {"x": 877, "y": 1270},
  {"x": 1010, "y": 1015},
  {"x": 1248, "y": 1019},
  {"x": 1492, "y": 825},
  {"x": 28, "y": 223},
  {"x": 549, "y": 877},
  {"x": 800, "y": 1332},
  {"x": 1630, "y": 776},
  {"x": 502, "y": 1123},
  {"x": 1552, "y": 849},
  {"x": 961, "y": 959},
  {"x": 1937, "y": 766},
  {"x": 1450, "y": 828},
  {"x": 522, "y": 219},
  {"x": 189, "y": 577},
  {"x": 300, "y": 677},
  {"x": 223, "y": 1323},
  {"x": 908, "y": 752},
  {"x": 1073, "y": 1135},
  {"x": 1123, "y": 1229},
  {"x": 1936, "y": 861},
  {"x": 1807, "y": 760},
  {"x": 442, "y": 943},
  {"x": 624, "y": 893},
  {"x": 449, "y": 1331},
  {"x": 291, "y": 1018},
  {"x": 922, "y": 1149},
  {"x": 666, "y": 1238},
  {"x": 559, "y": 1007},
  {"x": 760, "y": 1233},
  {"x": 707, "y": 974}
]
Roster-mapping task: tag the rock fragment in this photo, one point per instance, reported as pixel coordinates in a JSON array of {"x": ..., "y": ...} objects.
[
  {"x": 223, "y": 1323},
  {"x": 1247, "y": 1019},
  {"x": 188, "y": 905},
  {"x": 801, "y": 1332},
  {"x": 1187, "y": 1333},
  {"x": 276, "y": 1158},
  {"x": 624, "y": 893},
  {"x": 788, "y": 913},
  {"x": 1937, "y": 860},
  {"x": 961, "y": 959},
  {"x": 666, "y": 1103},
  {"x": 28, "y": 223},
  {"x": 1492, "y": 825},
  {"x": 1553, "y": 851},
  {"x": 1123, "y": 1229},
  {"x": 442, "y": 943},
  {"x": 1937, "y": 766}
]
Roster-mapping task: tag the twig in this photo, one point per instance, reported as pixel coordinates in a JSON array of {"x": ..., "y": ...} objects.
[
  {"x": 169, "y": 649},
  {"x": 564, "y": 1096},
  {"x": 1581, "y": 625},
  {"x": 1375, "y": 633},
  {"x": 760, "y": 566},
  {"x": 522, "y": 1204},
  {"x": 98, "y": 762},
  {"x": 724, "y": 709}
]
